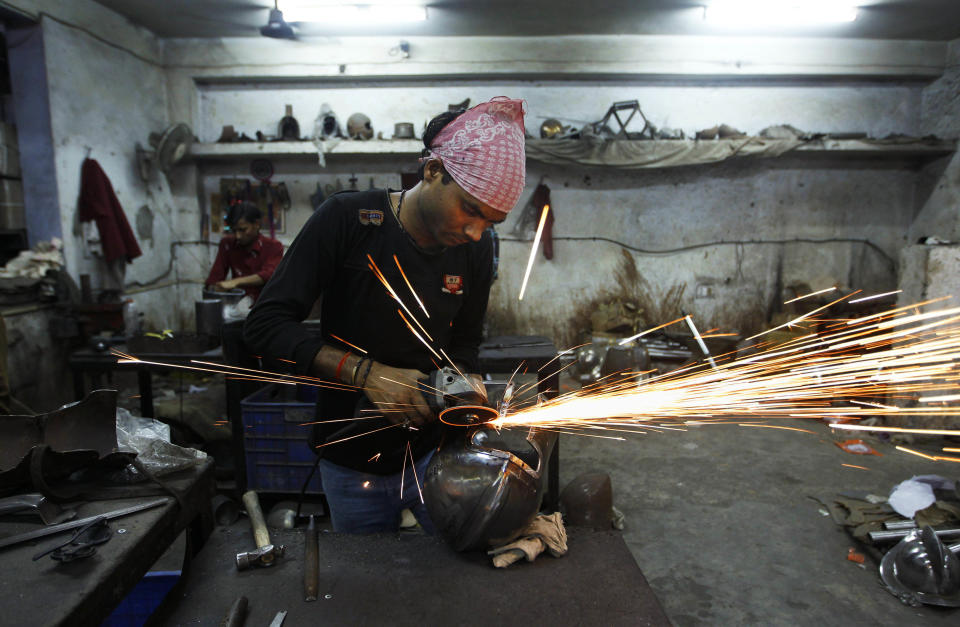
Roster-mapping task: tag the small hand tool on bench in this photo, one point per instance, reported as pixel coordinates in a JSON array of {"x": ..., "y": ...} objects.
[
  {"x": 83, "y": 542},
  {"x": 311, "y": 562},
  {"x": 73, "y": 524},
  {"x": 266, "y": 553}
]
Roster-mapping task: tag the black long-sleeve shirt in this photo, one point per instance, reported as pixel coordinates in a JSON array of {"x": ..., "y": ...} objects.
[{"x": 328, "y": 260}]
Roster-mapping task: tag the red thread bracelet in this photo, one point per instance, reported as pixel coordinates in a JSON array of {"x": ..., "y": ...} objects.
[{"x": 336, "y": 375}]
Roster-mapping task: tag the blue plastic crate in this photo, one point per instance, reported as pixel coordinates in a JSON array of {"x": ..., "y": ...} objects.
[
  {"x": 277, "y": 451},
  {"x": 143, "y": 600}
]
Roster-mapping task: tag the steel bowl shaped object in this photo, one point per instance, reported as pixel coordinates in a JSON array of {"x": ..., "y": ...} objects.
[
  {"x": 483, "y": 487},
  {"x": 921, "y": 569},
  {"x": 209, "y": 317},
  {"x": 403, "y": 130},
  {"x": 229, "y": 297}
]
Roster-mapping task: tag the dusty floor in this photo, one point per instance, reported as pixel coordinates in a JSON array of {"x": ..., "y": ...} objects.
[{"x": 720, "y": 521}]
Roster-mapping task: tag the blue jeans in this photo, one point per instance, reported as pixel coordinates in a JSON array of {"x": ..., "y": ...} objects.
[{"x": 365, "y": 503}]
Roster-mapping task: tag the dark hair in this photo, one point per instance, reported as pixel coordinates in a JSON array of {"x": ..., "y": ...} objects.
[
  {"x": 243, "y": 211},
  {"x": 433, "y": 129}
]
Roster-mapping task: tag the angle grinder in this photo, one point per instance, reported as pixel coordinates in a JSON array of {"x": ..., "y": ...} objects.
[{"x": 456, "y": 400}]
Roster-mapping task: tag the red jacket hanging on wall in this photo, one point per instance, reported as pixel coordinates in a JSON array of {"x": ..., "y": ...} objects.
[{"x": 99, "y": 202}]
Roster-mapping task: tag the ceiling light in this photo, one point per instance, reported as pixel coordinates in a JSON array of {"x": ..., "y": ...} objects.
[
  {"x": 339, "y": 14},
  {"x": 276, "y": 27},
  {"x": 749, "y": 13}
]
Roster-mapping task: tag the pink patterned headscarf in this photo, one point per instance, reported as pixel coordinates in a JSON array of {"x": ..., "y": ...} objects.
[{"x": 483, "y": 150}]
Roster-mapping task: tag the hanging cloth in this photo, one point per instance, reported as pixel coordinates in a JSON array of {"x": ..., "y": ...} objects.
[{"x": 99, "y": 203}]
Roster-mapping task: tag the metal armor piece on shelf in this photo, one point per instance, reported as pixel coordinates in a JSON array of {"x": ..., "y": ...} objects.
[
  {"x": 551, "y": 129},
  {"x": 482, "y": 486},
  {"x": 628, "y": 108},
  {"x": 358, "y": 127},
  {"x": 921, "y": 569}
]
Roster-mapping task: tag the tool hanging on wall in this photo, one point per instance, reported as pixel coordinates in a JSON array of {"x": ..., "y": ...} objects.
[
  {"x": 526, "y": 225},
  {"x": 273, "y": 200},
  {"x": 266, "y": 198},
  {"x": 232, "y": 192},
  {"x": 317, "y": 197},
  {"x": 283, "y": 196},
  {"x": 262, "y": 170}
]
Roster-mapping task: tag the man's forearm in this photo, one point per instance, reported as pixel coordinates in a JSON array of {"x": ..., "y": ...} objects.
[
  {"x": 251, "y": 280},
  {"x": 393, "y": 391},
  {"x": 330, "y": 359}
]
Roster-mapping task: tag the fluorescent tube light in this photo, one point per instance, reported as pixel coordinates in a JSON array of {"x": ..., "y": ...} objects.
[
  {"x": 749, "y": 13},
  {"x": 353, "y": 14}
]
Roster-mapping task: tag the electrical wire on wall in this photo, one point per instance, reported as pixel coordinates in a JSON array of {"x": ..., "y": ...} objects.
[
  {"x": 170, "y": 265},
  {"x": 103, "y": 40},
  {"x": 739, "y": 243}
]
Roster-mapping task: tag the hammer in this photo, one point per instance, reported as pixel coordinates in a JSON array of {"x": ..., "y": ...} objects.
[{"x": 265, "y": 553}]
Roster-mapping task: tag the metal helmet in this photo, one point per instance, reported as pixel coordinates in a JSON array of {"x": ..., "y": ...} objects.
[
  {"x": 551, "y": 128},
  {"x": 326, "y": 124},
  {"x": 920, "y": 569},
  {"x": 483, "y": 487},
  {"x": 358, "y": 127}
]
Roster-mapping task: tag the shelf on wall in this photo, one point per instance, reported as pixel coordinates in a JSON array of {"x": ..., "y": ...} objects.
[
  {"x": 345, "y": 147},
  {"x": 864, "y": 148},
  {"x": 844, "y": 148}
]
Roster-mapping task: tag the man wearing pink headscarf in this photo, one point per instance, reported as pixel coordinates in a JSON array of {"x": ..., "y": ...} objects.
[{"x": 432, "y": 246}]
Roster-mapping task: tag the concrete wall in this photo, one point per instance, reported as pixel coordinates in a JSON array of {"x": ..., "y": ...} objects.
[
  {"x": 673, "y": 210},
  {"x": 105, "y": 100},
  {"x": 659, "y": 210},
  {"x": 87, "y": 79},
  {"x": 938, "y": 215},
  {"x": 614, "y": 57}
]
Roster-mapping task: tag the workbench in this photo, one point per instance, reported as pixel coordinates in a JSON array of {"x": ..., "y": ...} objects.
[
  {"x": 84, "y": 592},
  {"x": 414, "y": 579},
  {"x": 89, "y": 362}
]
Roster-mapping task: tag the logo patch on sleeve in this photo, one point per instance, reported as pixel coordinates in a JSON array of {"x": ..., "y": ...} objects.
[
  {"x": 452, "y": 284},
  {"x": 371, "y": 216}
]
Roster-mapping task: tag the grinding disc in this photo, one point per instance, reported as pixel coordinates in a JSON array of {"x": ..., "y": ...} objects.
[{"x": 468, "y": 415}]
